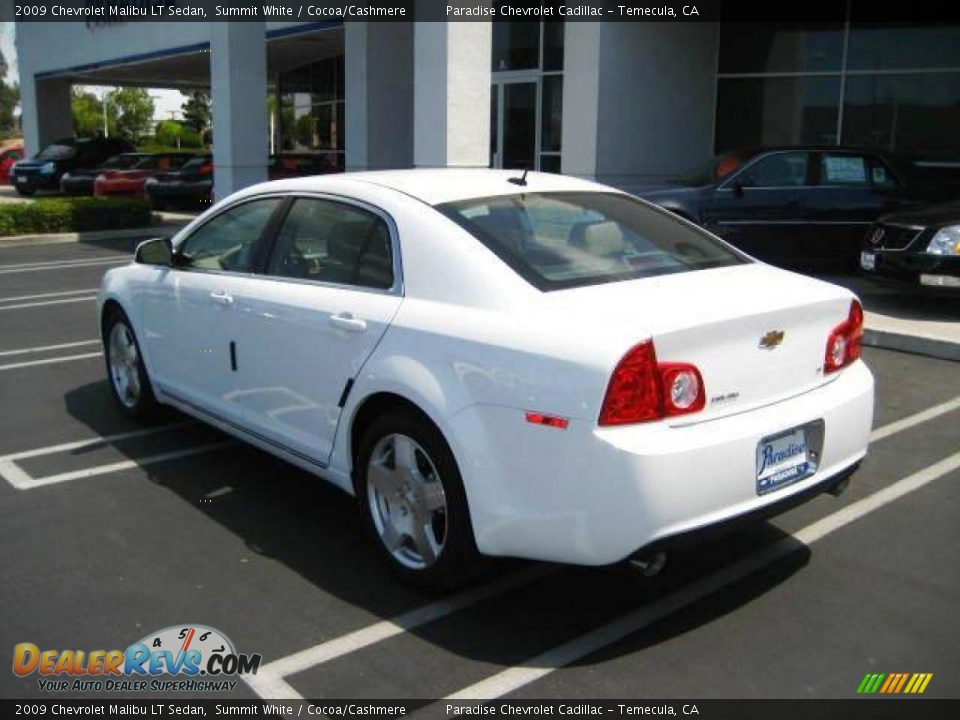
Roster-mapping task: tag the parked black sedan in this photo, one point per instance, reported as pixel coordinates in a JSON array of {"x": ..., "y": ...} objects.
[
  {"x": 917, "y": 248},
  {"x": 80, "y": 181},
  {"x": 191, "y": 185},
  {"x": 44, "y": 170},
  {"x": 805, "y": 206}
]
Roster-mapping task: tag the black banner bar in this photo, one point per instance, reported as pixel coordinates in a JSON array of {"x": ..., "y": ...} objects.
[
  {"x": 101, "y": 13},
  {"x": 872, "y": 708}
]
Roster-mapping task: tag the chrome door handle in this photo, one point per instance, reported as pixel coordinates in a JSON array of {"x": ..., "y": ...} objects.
[
  {"x": 346, "y": 321},
  {"x": 221, "y": 297}
]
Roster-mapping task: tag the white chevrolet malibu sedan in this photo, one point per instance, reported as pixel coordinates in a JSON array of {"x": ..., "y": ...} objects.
[{"x": 538, "y": 366}]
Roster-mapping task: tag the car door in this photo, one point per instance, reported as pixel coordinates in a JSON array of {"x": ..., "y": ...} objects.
[
  {"x": 190, "y": 314},
  {"x": 851, "y": 190},
  {"x": 330, "y": 289},
  {"x": 760, "y": 208}
]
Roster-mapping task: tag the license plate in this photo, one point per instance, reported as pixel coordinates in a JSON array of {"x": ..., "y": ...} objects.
[
  {"x": 783, "y": 460},
  {"x": 868, "y": 261},
  {"x": 21, "y": 179}
]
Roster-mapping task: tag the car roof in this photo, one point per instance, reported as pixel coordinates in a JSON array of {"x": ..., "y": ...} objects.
[{"x": 436, "y": 186}]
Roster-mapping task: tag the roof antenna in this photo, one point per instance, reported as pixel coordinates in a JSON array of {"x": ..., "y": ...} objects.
[{"x": 522, "y": 180}]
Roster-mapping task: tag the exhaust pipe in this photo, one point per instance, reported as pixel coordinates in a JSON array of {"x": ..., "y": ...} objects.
[{"x": 649, "y": 565}]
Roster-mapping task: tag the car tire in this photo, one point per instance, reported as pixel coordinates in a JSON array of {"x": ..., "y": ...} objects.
[
  {"x": 25, "y": 192},
  {"x": 406, "y": 515},
  {"x": 126, "y": 374}
]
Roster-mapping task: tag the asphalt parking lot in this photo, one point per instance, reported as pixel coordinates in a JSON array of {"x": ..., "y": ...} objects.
[{"x": 109, "y": 531}]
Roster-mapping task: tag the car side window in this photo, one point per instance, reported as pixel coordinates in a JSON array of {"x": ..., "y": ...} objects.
[
  {"x": 881, "y": 175},
  {"x": 333, "y": 242},
  {"x": 786, "y": 169},
  {"x": 844, "y": 169},
  {"x": 226, "y": 242}
]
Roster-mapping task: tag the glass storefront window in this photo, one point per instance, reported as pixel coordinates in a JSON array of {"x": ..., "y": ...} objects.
[
  {"x": 312, "y": 110},
  {"x": 885, "y": 46},
  {"x": 751, "y": 47},
  {"x": 913, "y": 113},
  {"x": 754, "y": 112},
  {"x": 553, "y": 45},
  {"x": 516, "y": 46},
  {"x": 551, "y": 112}
]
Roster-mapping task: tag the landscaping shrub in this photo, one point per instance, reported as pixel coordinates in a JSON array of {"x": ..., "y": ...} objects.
[{"x": 57, "y": 215}]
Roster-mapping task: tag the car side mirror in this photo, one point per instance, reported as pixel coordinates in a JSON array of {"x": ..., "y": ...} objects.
[
  {"x": 737, "y": 188},
  {"x": 156, "y": 251}
]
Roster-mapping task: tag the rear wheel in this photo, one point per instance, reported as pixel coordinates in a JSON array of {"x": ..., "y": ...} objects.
[
  {"x": 413, "y": 502},
  {"x": 126, "y": 373}
]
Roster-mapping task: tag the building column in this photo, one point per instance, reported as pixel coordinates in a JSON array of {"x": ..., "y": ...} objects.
[
  {"x": 581, "y": 98},
  {"x": 378, "y": 77},
  {"x": 238, "y": 82},
  {"x": 46, "y": 112},
  {"x": 452, "y": 94}
]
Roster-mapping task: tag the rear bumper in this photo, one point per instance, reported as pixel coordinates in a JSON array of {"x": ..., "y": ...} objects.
[
  {"x": 36, "y": 181},
  {"x": 594, "y": 496}
]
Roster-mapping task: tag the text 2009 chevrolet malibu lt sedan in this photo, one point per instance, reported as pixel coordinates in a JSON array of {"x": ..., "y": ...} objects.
[{"x": 539, "y": 367}]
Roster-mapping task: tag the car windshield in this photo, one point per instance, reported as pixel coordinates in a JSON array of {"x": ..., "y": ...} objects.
[
  {"x": 57, "y": 151},
  {"x": 563, "y": 240}
]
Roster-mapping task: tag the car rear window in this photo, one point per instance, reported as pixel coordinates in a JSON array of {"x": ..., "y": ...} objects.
[
  {"x": 57, "y": 152},
  {"x": 564, "y": 240}
]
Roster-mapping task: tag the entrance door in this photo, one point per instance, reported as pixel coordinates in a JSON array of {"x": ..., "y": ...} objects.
[{"x": 513, "y": 106}]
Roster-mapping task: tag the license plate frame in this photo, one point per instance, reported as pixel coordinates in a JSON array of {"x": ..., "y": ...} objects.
[
  {"x": 868, "y": 260},
  {"x": 788, "y": 457}
]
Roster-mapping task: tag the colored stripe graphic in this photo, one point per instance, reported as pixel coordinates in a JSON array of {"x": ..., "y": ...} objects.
[{"x": 894, "y": 683}]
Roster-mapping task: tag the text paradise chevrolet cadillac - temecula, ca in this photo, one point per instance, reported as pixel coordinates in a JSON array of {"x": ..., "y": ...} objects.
[{"x": 497, "y": 364}]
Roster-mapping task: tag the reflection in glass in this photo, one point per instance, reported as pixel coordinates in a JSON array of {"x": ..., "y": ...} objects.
[
  {"x": 753, "y": 112},
  {"x": 553, "y": 45},
  {"x": 904, "y": 46},
  {"x": 751, "y": 47},
  {"x": 912, "y": 113},
  {"x": 551, "y": 112},
  {"x": 516, "y": 45},
  {"x": 519, "y": 124}
]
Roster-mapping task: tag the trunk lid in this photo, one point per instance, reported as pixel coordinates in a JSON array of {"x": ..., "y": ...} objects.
[{"x": 728, "y": 322}]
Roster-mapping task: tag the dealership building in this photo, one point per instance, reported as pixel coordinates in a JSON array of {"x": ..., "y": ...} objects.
[{"x": 628, "y": 103}]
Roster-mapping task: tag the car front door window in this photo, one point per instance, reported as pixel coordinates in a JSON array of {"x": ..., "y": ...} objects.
[
  {"x": 227, "y": 242},
  {"x": 780, "y": 170}
]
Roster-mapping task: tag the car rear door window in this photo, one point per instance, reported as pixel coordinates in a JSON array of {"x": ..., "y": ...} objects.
[
  {"x": 227, "y": 241},
  {"x": 844, "y": 169},
  {"x": 333, "y": 242},
  {"x": 783, "y": 169}
]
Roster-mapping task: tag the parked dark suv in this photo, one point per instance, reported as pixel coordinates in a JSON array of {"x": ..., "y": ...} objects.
[
  {"x": 44, "y": 170},
  {"x": 807, "y": 206}
]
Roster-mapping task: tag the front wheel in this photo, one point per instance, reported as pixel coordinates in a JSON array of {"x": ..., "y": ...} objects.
[
  {"x": 25, "y": 191},
  {"x": 413, "y": 503},
  {"x": 126, "y": 373}
]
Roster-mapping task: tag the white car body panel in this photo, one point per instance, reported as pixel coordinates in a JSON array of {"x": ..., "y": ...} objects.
[{"x": 474, "y": 346}]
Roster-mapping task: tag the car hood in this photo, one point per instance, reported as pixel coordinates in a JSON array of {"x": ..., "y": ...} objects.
[{"x": 928, "y": 216}]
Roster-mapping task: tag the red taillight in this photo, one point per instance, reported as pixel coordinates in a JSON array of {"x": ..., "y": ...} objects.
[
  {"x": 548, "y": 420},
  {"x": 205, "y": 169},
  {"x": 843, "y": 343},
  {"x": 642, "y": 390}
]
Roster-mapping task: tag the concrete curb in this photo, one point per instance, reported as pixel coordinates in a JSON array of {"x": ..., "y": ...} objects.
[
  {"x": 96, "y": 236},
  {"x": 915, "y": 344}
]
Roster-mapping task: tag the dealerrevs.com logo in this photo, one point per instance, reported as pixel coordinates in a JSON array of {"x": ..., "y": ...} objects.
[{"x": 188, "y": 658}]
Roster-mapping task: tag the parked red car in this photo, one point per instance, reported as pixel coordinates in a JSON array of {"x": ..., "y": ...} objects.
[
  {"x": 131, "y": 181},
  {"x": 7, "y": 158}
]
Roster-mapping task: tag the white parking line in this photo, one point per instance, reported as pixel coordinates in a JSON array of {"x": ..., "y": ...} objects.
[
  {"x": 62, "y": 301},
  {"x": 49, "y": 361},
  {"x": 22, "y": 480},
  {"x": 589, "y": 643},
  {"x": 66, "y": 262},
  {"x": 915, "y": 419},
  {"x": 269, "y": 682},
  {"x": 8, "y": 269},
  {"x": 61, "y": 293},
  {"x": 47, "y": 348}
]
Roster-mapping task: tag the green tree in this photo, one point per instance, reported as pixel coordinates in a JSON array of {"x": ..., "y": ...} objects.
[
  {"x": 168, "y": 133},
  {"x": 196, "y": 110},
  {"x": 87, "y": 110},
  {"x": 9, "y": 97},
  {"x": 134, "y": 112}
]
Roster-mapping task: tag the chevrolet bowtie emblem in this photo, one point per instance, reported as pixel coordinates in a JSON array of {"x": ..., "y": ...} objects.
[{"x": 772, "y": 339}]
